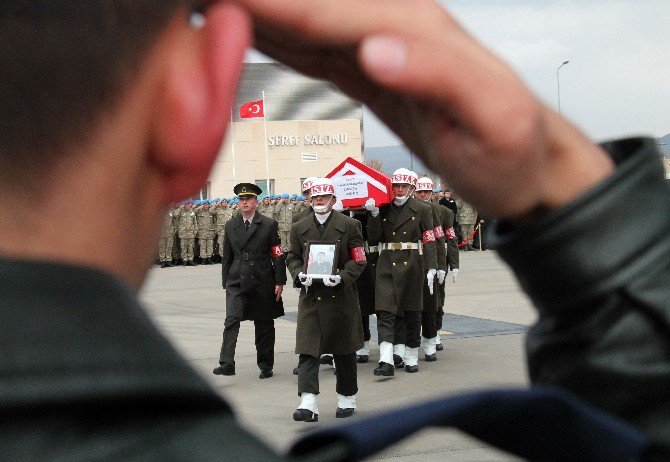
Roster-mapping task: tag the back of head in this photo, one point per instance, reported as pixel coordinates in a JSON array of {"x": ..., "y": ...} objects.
[{"x": 64, "y": 64}]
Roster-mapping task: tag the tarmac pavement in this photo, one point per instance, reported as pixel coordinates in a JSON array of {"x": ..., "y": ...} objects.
[{"x": 483, "y": 334}]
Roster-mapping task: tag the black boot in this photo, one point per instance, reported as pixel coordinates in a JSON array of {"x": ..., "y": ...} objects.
[
  {"x": 431, "y": 358},
  {"x": 224, "y": 369},
  {"x": 360, "y": 359},
  {"x": 163, "y": 264},
  {"x": 385, "y": 370},
  {"x": 344, "y": 412},
  {"x": 398, "y": 361},
  {"x": 305, "y": 415}
]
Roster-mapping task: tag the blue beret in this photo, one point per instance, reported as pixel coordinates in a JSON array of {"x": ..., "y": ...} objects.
[
  {"x": 284, "y": 196},
  {"x": 294, "y": 196}
]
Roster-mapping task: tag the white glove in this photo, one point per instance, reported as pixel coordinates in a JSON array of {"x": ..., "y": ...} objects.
[
  {"x": 441, "y": 274},
  {"x": 304, "y": 280},
  {"x": 454, "y": 274},
  {"x": 371, "y": 207},
  {"x": 338, "y": 206},
  {"x": 332, "y": 281},
  {"x": 430, "y": 277}
]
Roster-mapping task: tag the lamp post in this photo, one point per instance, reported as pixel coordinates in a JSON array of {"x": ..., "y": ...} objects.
[{"x": 558, "y": 85}]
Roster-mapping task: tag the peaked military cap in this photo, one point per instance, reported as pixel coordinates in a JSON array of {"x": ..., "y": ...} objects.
[{"x": 247, "y": 189}]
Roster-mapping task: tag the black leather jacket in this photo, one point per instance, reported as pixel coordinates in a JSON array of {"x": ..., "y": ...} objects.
[{"x": 598, "y": 271}]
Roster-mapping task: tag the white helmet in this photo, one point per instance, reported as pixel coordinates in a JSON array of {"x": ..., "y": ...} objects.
[
  {"x": 415, "y": 178},
  {"x": 424, "y": 184},
  {"x": 322, "y": 187},
  {"x": 403, "y": 176},
  {"x": 307, "y": 184}
]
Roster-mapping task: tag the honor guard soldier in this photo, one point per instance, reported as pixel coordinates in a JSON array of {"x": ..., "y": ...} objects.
[
  {"x": 404, "y": 231},
  {"x": 306, "y": 208},
  {"x": 424, "y": 192},
  {"x": 206, "y": 231},
  {"x": 253, "y": 275},
  {"x": 329, "y": 319},
  {"x": 186, "y": 230},
  {"x": 166, "y": 244},
  {"x": 451, "y": 244},
  {"x": 366, "y": 285}
]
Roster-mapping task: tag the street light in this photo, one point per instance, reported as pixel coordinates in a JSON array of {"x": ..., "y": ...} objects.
[{"x": 558, "y": 85}]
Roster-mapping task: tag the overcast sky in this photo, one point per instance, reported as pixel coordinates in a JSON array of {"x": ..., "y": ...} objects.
[{"x": 618, "y": 80}]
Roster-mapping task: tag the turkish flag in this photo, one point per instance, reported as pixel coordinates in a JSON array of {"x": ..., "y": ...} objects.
[{"x": 252, "y": 109}]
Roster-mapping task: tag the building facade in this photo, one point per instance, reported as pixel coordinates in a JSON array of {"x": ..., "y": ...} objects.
[{"x": 308, "y": 128}]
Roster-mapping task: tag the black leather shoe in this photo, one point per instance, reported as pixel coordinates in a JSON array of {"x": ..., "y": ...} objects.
[
  {"x": 385, "y": 370},
  {"x": 305, "y": 415},
  {"x": 411, "y": 369},
  {"x": 398, "y": 361},
  {"x": 295, "y": 370},
  {"x": 342, "y": 413},
  {"x": 326, "y": 359},
  {"x": 224, "y": 369},
  {"x": 431, "y": 358},
  {"x": 265, "y": 374},
  {"x": 163, "y": 264},
  {"x": 360, "y": 359},
  {"x": 439, "y": 347}
]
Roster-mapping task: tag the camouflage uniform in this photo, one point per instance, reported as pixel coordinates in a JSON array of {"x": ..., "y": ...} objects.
[
  {"x": 206, "y": 232},
  {"x": 223, "y": 215},
  {"x": 284, "y": 216},
  {"x": 186, "y": 230},
  {"x": 167, "y": 238},
  {"x": 466, "y": 217}
]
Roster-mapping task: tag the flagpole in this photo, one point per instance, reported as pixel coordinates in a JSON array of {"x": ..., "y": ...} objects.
[
  {"x": 232, "y": 144},
  {"x": 265, "y": 143}
]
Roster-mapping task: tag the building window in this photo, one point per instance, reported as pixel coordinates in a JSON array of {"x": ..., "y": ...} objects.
[
  {"x": 204, "y": 193},
  {"x": 263, "y": 184},
  {"x": 309, "y": 157}
]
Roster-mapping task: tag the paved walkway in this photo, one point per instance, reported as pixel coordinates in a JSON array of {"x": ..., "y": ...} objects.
[{"x": 483, "y": 337}]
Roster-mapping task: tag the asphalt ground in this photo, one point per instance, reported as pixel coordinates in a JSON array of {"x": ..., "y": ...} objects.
[{"x": 486, "y": 316}]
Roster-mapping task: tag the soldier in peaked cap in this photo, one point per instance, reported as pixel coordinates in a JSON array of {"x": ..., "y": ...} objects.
[
  {"x": 407, "y": 255},
  {"x": 329, "y": 318},
  {"x": 253, "y": 275}
]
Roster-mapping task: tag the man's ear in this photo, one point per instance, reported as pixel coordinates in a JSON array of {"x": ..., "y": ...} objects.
[{"x": 197, "y": 91}]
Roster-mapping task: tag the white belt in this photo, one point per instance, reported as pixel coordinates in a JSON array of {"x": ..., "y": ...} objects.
[
  {"x": 399, "y": 246},
  {"x": 371, "y": 248}
]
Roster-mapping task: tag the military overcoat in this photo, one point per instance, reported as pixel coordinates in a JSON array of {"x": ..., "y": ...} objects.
[
  {"x": 430, "y": 301},
  {"x": 366, "y": 281},
  {"x": 303, "y": 213},
  {"x": 329, "y": 318},
  {"x": 400, "y": 274},
  {"x": 252, "y": 264},
  {"x": 452, "y": 255}
]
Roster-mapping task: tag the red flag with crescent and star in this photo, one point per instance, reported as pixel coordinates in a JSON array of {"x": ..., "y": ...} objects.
[{"x": 252, "y": 109}]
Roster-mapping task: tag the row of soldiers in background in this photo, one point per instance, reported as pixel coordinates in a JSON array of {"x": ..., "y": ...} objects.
[{"x": 193, "y": 231}]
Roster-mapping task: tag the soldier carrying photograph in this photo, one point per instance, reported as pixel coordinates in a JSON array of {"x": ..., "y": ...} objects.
[
  {"x": 329, "y": 318},
  {"x": 253, "y": 275}
]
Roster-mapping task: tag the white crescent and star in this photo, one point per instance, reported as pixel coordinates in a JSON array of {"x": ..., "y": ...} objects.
[{"x": 255, "y": 108}]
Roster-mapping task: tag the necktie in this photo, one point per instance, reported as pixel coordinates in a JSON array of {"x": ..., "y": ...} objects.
[{"x": 246, "y": 225}]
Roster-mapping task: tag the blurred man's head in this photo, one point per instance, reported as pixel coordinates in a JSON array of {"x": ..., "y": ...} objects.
[{"x": 117, "y": 103}]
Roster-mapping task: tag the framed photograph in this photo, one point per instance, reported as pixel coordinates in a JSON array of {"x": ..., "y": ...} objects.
[{"x": 320, "y": 259}]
